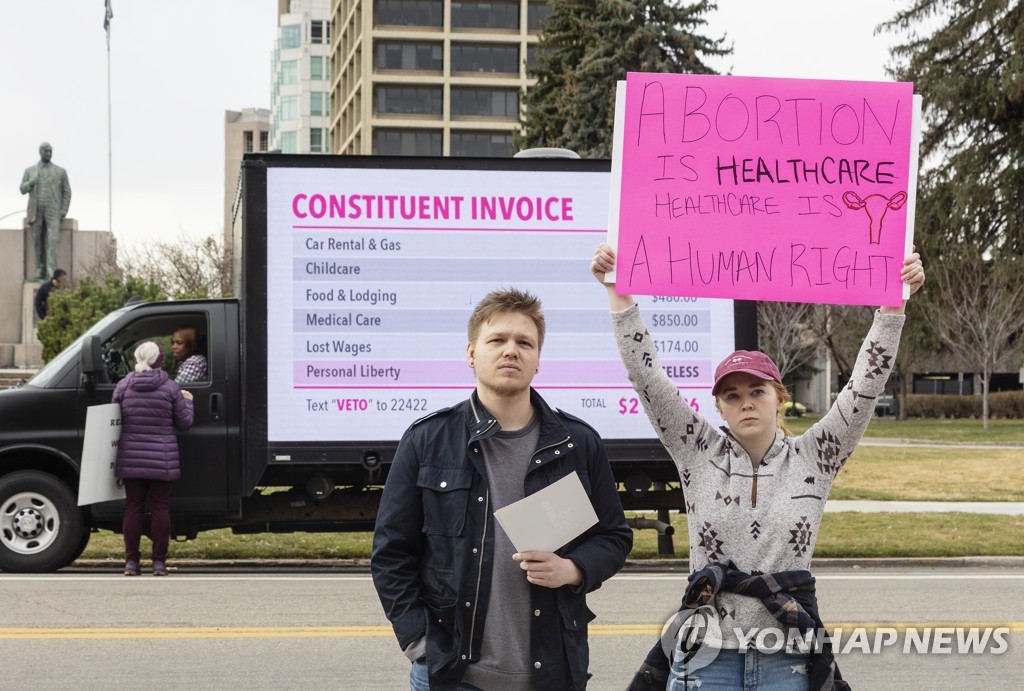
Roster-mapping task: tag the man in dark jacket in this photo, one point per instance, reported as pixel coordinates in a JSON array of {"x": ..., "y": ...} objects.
[
  {"x": 43, "y": 294},
  {"x": 467, "y": 609}
]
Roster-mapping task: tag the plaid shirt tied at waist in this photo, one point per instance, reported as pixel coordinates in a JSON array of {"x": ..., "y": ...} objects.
[{"x": 789, "y": 597}]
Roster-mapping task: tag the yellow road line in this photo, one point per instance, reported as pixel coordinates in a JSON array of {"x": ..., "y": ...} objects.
[
  {"x": 42, "y": 633},
  {"x": 197, "y": 632}
]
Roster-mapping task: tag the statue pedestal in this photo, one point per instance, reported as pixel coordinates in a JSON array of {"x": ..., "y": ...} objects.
[
  {"x": 80, "y": 252},
  {"x": 29, "y": 353}
]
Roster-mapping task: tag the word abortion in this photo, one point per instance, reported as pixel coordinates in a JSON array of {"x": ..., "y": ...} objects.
[
  {"x": 801, "y": 120},
  {"x": 427, "y": 207}
]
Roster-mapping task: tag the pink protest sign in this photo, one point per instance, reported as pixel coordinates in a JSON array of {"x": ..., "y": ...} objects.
[{"x": 765, "y": 189}]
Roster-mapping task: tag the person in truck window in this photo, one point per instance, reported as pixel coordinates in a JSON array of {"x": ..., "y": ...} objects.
[
  {"x": 190, "y": 366},
  {"x": 754, "y": 496},
  {"x": 152, "y": 408},
  {"x": 467, "y": 609}
]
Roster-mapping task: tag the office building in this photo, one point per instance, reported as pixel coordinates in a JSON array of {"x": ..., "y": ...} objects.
[
  {"x": 430, "y": 77},
  {"x": 245, "y": 131}
]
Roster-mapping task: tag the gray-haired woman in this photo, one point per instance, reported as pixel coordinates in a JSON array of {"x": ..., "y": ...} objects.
[{"x": 153, "y": 407}]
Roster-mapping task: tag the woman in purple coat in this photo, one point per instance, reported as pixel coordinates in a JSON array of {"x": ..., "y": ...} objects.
[{"x": 153, "y": 406}]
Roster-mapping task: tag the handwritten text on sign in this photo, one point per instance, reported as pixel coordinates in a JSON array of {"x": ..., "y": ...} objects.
[{"x": 765, "y": 189}]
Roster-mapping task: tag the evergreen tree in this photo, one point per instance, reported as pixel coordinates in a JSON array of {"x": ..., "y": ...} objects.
[
  {"x": 966, "y": 59},
  {"x": 970, "y": 73},
  {"x": 565, "y": 35},
  {"x": 72, "y": 312},
  {"x": 586, "y": 47}
]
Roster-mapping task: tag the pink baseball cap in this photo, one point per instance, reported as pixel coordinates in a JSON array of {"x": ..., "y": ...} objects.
[{"x": 750, "y": 361}]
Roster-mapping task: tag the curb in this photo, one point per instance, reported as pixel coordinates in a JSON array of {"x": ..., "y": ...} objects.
[
  {"x": 854, "y": 563},
  {"x": 350, "y": 565}
]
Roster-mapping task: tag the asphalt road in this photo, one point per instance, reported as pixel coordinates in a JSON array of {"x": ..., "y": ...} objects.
[{"x": 234, "y": 629}]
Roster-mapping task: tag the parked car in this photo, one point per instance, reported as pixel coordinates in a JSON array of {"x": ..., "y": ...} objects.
[
  {"x": 886, "y": 405},
  {"x": 794, "y": 409}
]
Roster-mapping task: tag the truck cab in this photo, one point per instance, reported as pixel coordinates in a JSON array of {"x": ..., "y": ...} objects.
[{"x": 41, "y": 526}]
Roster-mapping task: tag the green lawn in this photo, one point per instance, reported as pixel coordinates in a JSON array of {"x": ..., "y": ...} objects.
[
  {"x": 1002, "y": 431},
  {"x": 897, "y": 473},
  {"x": 885, "y": 473},
  {"x": 868, "y": 535},
  {"x": 842, "y": 535}
]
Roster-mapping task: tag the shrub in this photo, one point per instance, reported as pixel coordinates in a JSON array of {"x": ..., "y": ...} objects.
[
  {"x": 72, "y": 312},
  {"x": 1004, "y": 404}
]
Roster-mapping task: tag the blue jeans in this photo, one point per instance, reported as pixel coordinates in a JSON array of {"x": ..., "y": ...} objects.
[
  {"x": 419, "y": 678},
  {"x": 737, "y": 670}
]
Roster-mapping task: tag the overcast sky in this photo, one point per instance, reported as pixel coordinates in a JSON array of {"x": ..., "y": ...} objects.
[{"x": 177, "y": 66}]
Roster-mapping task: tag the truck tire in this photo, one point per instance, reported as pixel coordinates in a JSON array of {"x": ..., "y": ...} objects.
[
  {"x": 82, "y": 544},
  {"x": 41, "y": 527}
]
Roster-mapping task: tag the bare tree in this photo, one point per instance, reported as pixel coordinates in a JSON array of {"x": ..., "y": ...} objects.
[
  {"x": 785, "y": 334},
  {"x": 980, "y": 305},
  {"x": 186, "y": 267},
  {"x": 104, "y": 263},
  {"x": 840, "y": 330}
]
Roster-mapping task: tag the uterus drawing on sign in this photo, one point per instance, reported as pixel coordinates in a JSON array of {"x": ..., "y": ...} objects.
[{"x": 876, "y": 206}]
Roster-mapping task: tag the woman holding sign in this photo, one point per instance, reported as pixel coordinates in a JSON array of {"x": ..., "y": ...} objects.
[
  {"x": 152, "y": 407},
  {"x": 754, "y": 498}
]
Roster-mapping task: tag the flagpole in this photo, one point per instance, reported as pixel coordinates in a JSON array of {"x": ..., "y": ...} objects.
[{"x": 110, "y": 131}]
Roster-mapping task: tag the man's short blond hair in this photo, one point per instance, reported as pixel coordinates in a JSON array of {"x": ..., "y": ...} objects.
[{"x": 510, "y": 300}]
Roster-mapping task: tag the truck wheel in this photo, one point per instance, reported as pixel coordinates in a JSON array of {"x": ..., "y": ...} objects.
[
  {"x": 41, "y": 527},
  {"x": 82, "y": 544}
]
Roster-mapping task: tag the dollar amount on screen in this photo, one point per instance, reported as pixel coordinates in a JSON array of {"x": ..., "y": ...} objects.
[
  {"x": 661, "y": 298},
  {"x": 684, "y": 319},
  {"x": 631, "y": 406},
  {"x": 665, "y": 347}
]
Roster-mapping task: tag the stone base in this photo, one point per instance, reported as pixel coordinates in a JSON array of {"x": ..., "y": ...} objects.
[
  {"x": 28, "y": 356},
  {"x": 21, "y": 356},
  {"x": 28, "y": 353},
  {"x": 10, "y": 378},
  {"x": 81, "y": 252}
]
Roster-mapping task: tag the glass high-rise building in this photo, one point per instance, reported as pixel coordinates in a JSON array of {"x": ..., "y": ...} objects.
[{"x": 301, "y": 77}]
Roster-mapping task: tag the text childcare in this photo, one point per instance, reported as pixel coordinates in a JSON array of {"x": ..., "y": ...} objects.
[{"x": 426, "y": 207}]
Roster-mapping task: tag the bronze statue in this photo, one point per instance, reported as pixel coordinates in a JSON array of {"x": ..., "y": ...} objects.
[{"x": 49, "y": 196}]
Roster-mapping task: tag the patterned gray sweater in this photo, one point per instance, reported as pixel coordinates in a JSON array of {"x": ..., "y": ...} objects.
[{"x": 763, "y": 518}]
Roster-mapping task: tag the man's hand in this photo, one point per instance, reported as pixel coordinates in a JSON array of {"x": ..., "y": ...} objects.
[{"x": 548, "y": 569}]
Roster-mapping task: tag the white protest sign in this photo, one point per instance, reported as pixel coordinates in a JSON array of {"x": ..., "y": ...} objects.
[{"x": 99, "y": 454}]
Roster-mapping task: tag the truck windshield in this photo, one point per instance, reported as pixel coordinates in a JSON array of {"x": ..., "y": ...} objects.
[{"x": 53, "y": 369}]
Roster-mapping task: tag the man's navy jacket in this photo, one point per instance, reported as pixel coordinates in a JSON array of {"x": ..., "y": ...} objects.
[{"x": 434, "y": 538}]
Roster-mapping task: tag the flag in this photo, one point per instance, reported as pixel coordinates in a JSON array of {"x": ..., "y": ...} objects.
[{"x": 107, "y": 16}]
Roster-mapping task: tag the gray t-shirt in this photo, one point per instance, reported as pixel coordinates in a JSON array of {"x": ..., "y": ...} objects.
[{"x": 505, "y": 650}]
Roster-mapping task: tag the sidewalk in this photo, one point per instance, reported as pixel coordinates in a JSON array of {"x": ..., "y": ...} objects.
[
  {"x": 678, "y": 563},
  {"x": 923, "y": 444}
]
